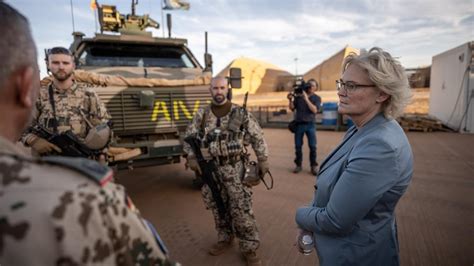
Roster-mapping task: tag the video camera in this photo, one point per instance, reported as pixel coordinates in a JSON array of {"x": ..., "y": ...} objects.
[{"x": 298, "y": 87}]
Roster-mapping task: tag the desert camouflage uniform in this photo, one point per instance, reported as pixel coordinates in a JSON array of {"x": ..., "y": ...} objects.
[
  {"x": 69, "y": 104},
  {"x": 56, "y": 215},
  {"x": 238, "y": 197}
]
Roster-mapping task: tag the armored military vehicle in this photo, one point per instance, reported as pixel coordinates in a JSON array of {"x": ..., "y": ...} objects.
[{"x": 161, "y": 84}]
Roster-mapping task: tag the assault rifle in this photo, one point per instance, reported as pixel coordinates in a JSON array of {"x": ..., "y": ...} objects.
[
  {"x": 210, "y": 175},
  {"x": 67, "y": 141}
]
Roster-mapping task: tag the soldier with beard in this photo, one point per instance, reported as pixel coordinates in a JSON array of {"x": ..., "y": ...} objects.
[
  {"x": 225, "y": 134},
  {"x": 76, "y": 107}
]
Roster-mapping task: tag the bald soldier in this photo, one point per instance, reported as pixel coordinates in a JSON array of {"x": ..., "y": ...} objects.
[
  {"x": 57, "y": 211},
  {"x": 225, "y": 129}
]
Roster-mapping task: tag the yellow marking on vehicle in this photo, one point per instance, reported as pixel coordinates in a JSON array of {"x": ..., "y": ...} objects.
[
  {"x": 175, "y": 109},
  {"x": 185, "y": 109},
  {"x": 162, "y": 108}
]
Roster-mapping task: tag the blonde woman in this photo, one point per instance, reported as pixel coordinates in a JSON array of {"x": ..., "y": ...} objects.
[{"x": 352, "y": 216}]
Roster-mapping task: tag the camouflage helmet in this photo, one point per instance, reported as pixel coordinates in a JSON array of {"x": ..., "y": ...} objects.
[{"x": 98, "y": 137}]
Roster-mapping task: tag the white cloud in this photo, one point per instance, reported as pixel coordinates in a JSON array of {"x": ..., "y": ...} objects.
[{"x": 326, "y": 24}]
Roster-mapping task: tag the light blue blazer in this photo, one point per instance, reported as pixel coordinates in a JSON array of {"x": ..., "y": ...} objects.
[{"x": 359, "y": 184}]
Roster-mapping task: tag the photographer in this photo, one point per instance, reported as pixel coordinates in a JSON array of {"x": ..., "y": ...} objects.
[{"x": 305, "y": 103}]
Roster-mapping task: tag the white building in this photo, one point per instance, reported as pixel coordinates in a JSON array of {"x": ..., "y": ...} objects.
[{"x": 452, "y": 88}]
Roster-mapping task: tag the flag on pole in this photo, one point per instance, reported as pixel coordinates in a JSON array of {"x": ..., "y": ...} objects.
[
  {"x": 176, "y": 4},
  {"x": 93, "y": 4}
]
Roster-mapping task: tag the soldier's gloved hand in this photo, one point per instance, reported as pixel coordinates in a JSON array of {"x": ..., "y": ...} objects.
[
  {"x": 263, "y": 167},
  {"x": 191, "y": 162},
  {"x": 43, "y": 146}
]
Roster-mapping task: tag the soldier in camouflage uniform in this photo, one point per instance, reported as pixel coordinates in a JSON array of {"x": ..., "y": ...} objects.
[
  {"x": 57, "y": 211},
  {"x": 221, "y": 116},
  {"x": 77, "y": 107}
]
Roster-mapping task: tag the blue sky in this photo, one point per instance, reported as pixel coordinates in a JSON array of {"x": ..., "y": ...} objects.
[{"x": 278, "y": 31}]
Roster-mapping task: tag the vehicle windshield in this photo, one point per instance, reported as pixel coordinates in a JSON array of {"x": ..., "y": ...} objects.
[{"x": 138, "y": 55}]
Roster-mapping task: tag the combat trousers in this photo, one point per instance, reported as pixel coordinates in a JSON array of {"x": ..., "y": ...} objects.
[{"x": 237, "y": 197}]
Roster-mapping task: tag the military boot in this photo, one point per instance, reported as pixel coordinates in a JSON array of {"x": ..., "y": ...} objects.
[
  {"x": 314, "y": 170},
  {"x": 252, "y": 259},
  {"x": 297, "y": 169},
  {"x": 221, "y": 247}
]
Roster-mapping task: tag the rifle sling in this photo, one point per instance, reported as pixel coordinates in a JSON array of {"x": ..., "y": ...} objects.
[{"x": 51, "y": 101}]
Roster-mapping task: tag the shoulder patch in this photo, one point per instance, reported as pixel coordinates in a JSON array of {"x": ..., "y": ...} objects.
[
  {"x": 101, "y": 174},
  {"x": 89, "y": 91}
]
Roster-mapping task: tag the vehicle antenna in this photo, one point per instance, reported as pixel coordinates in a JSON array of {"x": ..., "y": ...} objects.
[{"x": 72, "y": 16}]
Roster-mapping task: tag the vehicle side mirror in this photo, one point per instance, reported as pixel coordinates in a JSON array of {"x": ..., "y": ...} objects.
[
  {"x": 208, "y": 62},
  {"x": 235, "y": 78}
]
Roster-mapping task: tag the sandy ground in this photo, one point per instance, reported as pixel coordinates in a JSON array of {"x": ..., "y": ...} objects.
[{"x": 435, "y": 217}]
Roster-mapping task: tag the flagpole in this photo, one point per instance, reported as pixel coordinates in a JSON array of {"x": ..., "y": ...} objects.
[
  {"x": 95, "y": 20},
  {"x": 94, "y": 5},
  {"x": 72, "y": 16},
  {"x": 162, "y": 19}
]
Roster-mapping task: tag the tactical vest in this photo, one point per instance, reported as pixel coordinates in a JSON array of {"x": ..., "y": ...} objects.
[
  {"x": 68, "y": 107},
  {"x": 225, "y": 141}
]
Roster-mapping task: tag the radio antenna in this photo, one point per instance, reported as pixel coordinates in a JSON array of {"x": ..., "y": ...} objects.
[{"x": 72, "y": 16}]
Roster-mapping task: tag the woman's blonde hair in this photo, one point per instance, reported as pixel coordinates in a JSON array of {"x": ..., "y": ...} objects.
[{"x": 387, "y": 74}]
